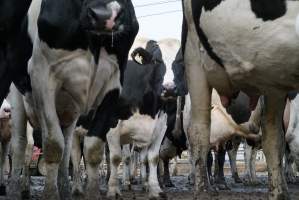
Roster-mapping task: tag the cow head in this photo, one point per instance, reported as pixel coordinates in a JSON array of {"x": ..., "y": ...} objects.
[
  {"x": 268, "y": 9},
  {"x": 100, "y": 16}
]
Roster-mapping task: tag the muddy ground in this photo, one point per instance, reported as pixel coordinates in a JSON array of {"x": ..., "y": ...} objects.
[{"x": 183, "y": 190}]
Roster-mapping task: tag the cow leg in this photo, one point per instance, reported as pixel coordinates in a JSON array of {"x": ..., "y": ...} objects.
[
  {"x": 63, "y": 173},
  {"x": 219, "y": 175},
  {"x": 28, "y": 157},
  {"x": 76, "y": 153},
  {"x": 232, "y": 154},
  {"x": 93, "y": 152},
  {"x": 4, "y": 153},
  {"x": 18, "y": 145},
  {"x": 199, "y": 129},
  {"x": 166, "y": 176},
  {"x": 273, "y": 142},
  {"x": 247, "y": 157},
  {"x": 126, "y": 160},
  {"x": 289, "y": 172},
  {"x": 133, "y": 170},
  {"x": 143, "y": 164},
  {"x": 252, "y": 166},
  {"x": 210, "y": 164},
  {"x": 44, "y": 89},
  {"x": 107, "y": 156},
  {"x": 113, "y": 139}
]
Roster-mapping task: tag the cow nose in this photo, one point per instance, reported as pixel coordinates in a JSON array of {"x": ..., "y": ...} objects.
[
  {"x": 8, "y": 110},
  {"x": 102, "y": 17}
]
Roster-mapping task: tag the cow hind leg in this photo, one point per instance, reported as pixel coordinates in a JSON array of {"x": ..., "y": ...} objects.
[
  {"x": 126, "y": 160},
  {"x": 219, "y": 175},
  {"x": 289, "y": 172},
  {"x": 273, "y": 141},
  {"x": 76, "y": 153},
  {"x": 143, "y": 164},
  {"x": 63, "y": 173},
  {"x": 93, "y": 153},
  {"x": 233, "y": 163}
]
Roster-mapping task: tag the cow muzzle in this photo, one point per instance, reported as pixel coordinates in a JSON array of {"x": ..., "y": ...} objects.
[{"x": 104, "y": 18}]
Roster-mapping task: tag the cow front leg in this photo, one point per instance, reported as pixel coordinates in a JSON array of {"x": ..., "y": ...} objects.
[
  {"x": 93, "y": 152},
  {"x": 219, "y": 175},
  {"x": 153, "y": 157},
  {"x": 76, "y": 153},
  {"x": 273, "y": 142},
  {"x": 113, "y": 140},
  {"x": 63, "y": 173},
  {"x": 44, "y": 87},
  {"x": 18, "y": 146}
]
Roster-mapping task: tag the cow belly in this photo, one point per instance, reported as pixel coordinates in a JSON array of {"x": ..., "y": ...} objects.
[{"x": 138, "y": 130}]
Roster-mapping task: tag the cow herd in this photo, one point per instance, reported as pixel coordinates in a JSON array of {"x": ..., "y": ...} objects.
[{"x": 74, "y": 71}]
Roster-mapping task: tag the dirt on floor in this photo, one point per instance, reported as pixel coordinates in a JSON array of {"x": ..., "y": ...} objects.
[{"x": 183, "y": 190}]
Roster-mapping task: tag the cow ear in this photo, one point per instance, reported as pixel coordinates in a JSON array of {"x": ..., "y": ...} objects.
[{"x": 141, "y": 56}]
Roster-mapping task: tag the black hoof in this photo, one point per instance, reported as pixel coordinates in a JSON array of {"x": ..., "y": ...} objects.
[
  {"x": 169, "y": 184},
  {"x": 25, "y": 194},
  {"x": 2, "y": 190}
]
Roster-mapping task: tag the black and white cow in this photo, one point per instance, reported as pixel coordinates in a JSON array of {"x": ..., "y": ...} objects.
[
  {"x": 80, "y": 51},
  {"x": 13, "y": 59},
  {"x": 146, "y": 126},
  {"x": 259, "y": 57}
]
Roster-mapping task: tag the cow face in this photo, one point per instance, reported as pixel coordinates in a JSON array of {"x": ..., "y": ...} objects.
[
  {"x": 100, "y": 16},
  {"x": 268, "y": 9}
]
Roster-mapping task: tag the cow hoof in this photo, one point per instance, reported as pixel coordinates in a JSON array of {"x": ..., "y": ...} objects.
[
  {"x": 221, "y": 184},
  {"x": 222, "y": 187},
  {"x": 26, "y": 194},
  {"x": 169, "y": 184},
  {"x": 237, "y": 179},
  {"x": 115, "y": 197},
  {"x": 2, "y": 190},
  {"x": 78, "y": 191}
]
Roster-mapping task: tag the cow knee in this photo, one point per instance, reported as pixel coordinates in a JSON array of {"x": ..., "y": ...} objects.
[
  {"x": 153, "y": 159},
  {"x": 93, "y": 150},
  {"x": 115, "y": 160},
  {"x": 53, "y": 150}
]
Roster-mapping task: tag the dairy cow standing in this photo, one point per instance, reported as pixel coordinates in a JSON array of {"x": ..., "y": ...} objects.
[
  {"x": 77, "y": 66},
  {"x": 258, "y": 57},
  {"x": 146, "y": 126}
]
